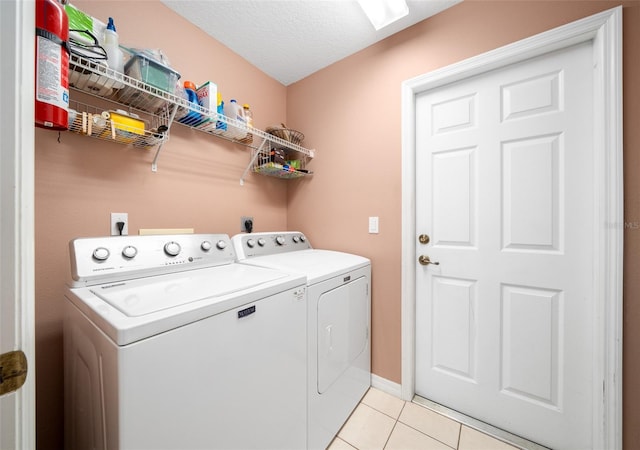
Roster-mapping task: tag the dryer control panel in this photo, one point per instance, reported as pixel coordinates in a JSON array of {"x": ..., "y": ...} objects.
[
  {"x": 261, "y": 244},
  {"x": 114, "y": 258}
]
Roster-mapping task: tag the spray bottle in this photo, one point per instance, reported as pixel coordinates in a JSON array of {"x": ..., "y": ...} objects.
[{"x": 115, "y": 58}]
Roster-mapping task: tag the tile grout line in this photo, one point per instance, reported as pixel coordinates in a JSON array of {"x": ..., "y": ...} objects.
[
  {"x": 397, "y": 420},
  {"x": 447, "y": 416},
  {"x": 428, "y": 435},
  {"x": 394, "y": 425},
  {"x": 432, "y": 437},
  {"x": 389, "y": 437}
]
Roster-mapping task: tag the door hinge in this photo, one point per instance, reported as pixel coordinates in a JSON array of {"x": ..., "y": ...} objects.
[{"x": 13, "y": 371}]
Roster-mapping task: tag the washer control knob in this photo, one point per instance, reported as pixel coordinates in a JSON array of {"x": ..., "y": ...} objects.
[
  {"x": 172, "y": 248},
  {"x": 221, "y": 244},
  {"x": 296, "y": 239},
  {"x": 261, "y": 242},
  {"x": 302, "y": 238},
  {"x": 129, "y": 251},
  {"x": 280, "y": 240},
  {"x": 205, "y": 246},
  {"x": 101, "y": 254},
  {"x": 251, "y": 243}
]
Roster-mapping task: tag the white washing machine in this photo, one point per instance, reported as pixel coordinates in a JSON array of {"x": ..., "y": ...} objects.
[
  {"x": 339, "y": 318},
  {"x": 170, "y": 344}
]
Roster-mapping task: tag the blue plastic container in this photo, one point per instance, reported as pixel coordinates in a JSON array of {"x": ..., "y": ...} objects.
[{"x": 192, "y": 117}]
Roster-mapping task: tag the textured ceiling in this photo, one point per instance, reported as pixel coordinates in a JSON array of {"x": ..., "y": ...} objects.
[{"x": 291, "y": 39}]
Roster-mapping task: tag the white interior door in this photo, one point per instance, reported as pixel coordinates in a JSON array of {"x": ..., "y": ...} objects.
[
  {"x": 504, "y": 190},
  {"x": 17, "y": 409}
]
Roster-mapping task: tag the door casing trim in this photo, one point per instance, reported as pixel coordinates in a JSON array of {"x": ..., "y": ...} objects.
[
  {"x": 17, "y": 256},
  {"x": 605, "y": 30}
]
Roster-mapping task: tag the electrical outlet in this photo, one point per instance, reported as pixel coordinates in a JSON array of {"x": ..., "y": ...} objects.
[
  {"x": 119, "y": 217},
  {"x": 243, "y": 224}
]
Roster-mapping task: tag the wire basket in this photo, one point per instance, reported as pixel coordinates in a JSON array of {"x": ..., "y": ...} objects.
[{"x": 287, "y": 134}]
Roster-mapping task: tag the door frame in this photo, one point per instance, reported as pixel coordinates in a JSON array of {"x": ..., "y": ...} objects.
[
  {"x": 605, "y": 30},
  {"x": 17, "y": 272}
]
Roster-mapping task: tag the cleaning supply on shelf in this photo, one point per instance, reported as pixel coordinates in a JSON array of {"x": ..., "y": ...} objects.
[
  {"x": 193, "y": 116},
  {"x": 248, "y": 115},
  {"x": 115, "y": 57},
  {"x": 184, "y": 100},
  {"x": 237, "y": 125},
  {"x": 84, "y": 28},
  {"x": 221, "y": 125},
  {"x": 207, "y": 97},
  {"x": 122, "y": 126}
]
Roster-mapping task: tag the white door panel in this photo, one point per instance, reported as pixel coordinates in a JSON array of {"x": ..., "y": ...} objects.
[{"x": 504, "y": 168}]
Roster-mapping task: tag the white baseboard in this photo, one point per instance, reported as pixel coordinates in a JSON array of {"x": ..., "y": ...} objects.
[{"x": 385, "y": 385}]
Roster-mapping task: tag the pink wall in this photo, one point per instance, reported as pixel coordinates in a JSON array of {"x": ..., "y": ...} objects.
[
  {"x": 80, "y": 180},
  {"x": 349, "y": 112}
]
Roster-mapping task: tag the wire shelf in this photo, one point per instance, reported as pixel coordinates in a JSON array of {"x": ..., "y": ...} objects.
[
  {"x": 277, "y": 163},
  {"x": 280, "y": 171},
  {"x": 97, "y": 79},
  {"x": 157, "y": 109},
  {"x": 118, "y": 126}
]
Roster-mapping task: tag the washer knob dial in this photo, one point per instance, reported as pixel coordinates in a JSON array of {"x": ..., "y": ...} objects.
[
  {"x": 129, "y": 251},
  {"x": 251, "y": 243},
  {"x": 101, "y": 254},
  {"x": 221, "y": 244},
  {"x": 302, "y": 238},
  {"x": 280, "y": 240},
  {"x": 261, "y": 242},
  {"x": 172, "y": 248},
  {"x": 206, "y": 246},
  {"x": 296, "y": 239}
]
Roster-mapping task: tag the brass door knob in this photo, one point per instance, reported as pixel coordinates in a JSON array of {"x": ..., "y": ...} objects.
[
  {"x": 425, "y": 261},
  {"x": 424, "y": 238}
]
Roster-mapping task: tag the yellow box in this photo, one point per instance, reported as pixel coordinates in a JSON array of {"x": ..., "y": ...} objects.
[{"x": 123, "y": 128}]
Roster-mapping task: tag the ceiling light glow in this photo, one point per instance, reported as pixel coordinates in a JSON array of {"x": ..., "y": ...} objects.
[{"x": 384, "y": 12}]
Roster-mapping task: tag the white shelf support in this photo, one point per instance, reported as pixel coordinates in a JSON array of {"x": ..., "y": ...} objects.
[
  {"x": 256, "y": 153},
  {"x": 154, "y": 164}
]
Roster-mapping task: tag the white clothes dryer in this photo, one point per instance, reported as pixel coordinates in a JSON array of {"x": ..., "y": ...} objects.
[
  {"x": 339, "y": 318},
  {"x": 170, "y": 344}
]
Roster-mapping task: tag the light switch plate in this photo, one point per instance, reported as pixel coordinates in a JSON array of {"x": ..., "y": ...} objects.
[{"x": 374, "y": 223}]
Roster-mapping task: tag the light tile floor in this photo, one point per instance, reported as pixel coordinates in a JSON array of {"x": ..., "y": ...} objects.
[{"x": 382, "y": 421}]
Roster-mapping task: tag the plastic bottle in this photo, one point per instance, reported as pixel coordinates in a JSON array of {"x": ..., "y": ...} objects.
[
  {"x": 236, "y": 112},
  {"x": 115, "y": 58},
  {"x": 182, "y": 94},
  {"x": 221, "y": 126},
  {"x": 193, "y": 117},
  {"x": 248, "y": 116}
]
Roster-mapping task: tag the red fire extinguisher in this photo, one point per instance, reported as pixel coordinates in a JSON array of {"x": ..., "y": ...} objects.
[{"x": 52, "y": 65}]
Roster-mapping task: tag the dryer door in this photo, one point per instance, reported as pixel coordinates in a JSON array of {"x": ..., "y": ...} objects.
[{"x": 342, "y": 330}]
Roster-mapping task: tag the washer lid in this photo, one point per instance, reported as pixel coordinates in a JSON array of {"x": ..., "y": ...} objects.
[{"x": 149, "y": 295}]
